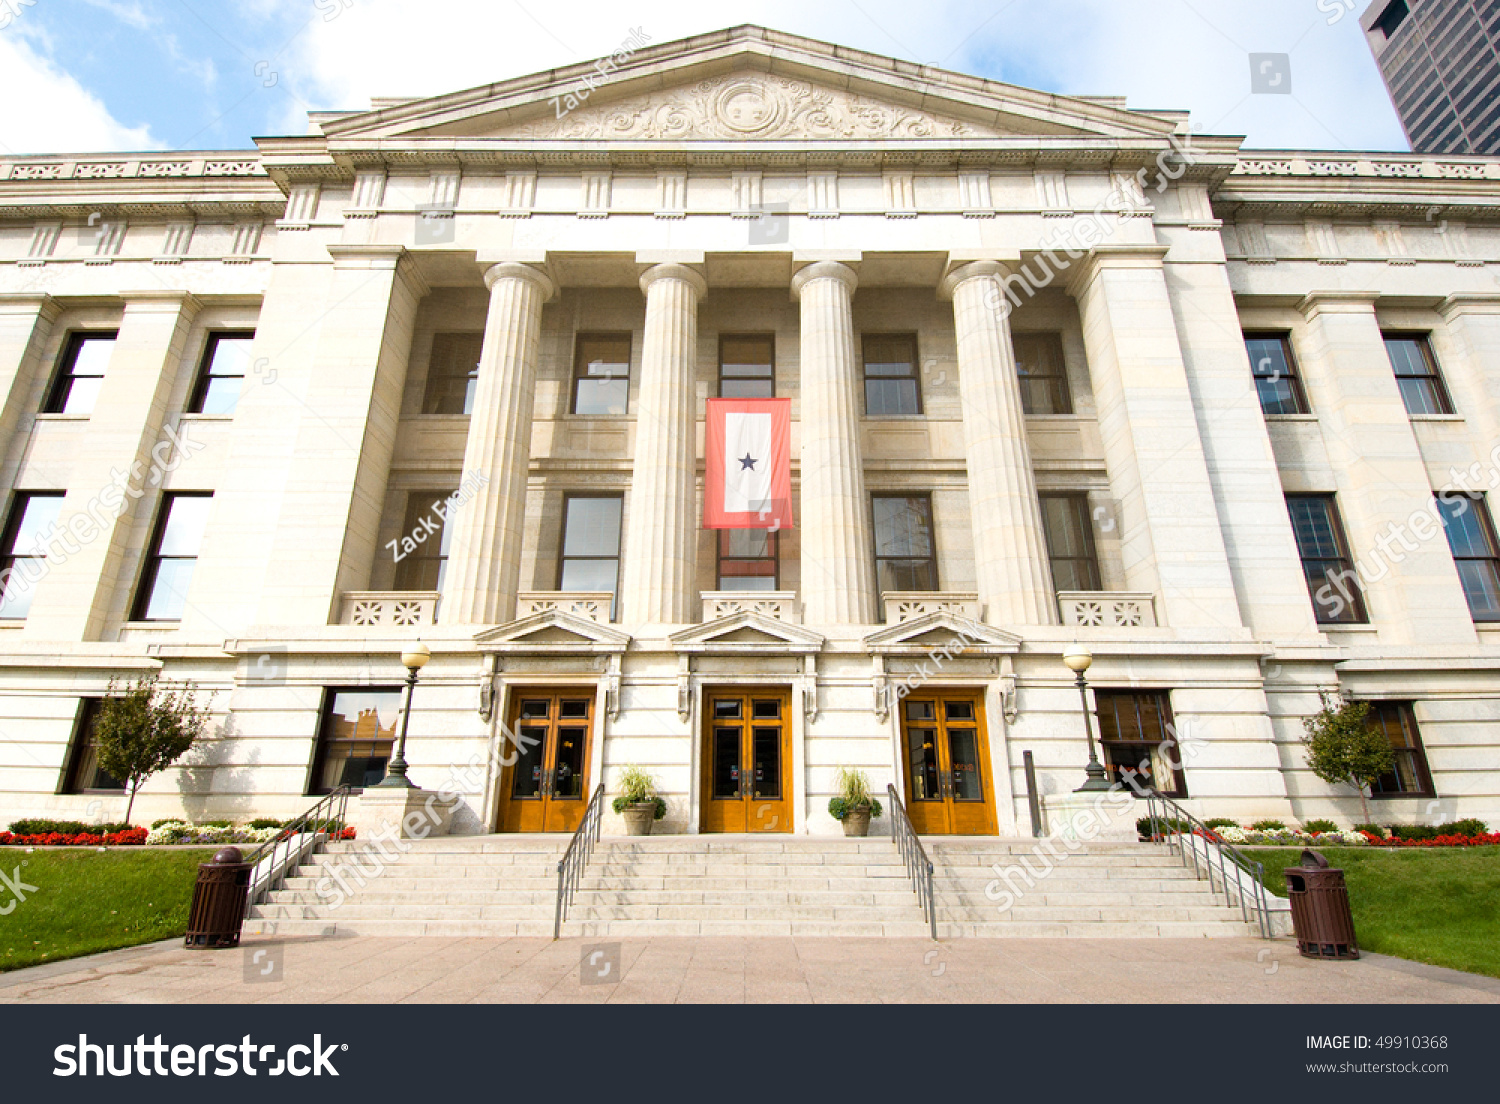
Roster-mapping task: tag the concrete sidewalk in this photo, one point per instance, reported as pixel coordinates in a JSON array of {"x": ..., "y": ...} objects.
[{"x": 726, "y": 970}]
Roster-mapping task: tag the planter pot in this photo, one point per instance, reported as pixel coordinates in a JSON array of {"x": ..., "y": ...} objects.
[
  {"x": 639, "y": 818},
  {"x": 857, "y": 821}
]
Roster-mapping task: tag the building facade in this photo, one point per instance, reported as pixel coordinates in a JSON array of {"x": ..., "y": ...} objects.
[
  {"x": 1059, "y": 372},
  {"x": 1440, "y": 60}
]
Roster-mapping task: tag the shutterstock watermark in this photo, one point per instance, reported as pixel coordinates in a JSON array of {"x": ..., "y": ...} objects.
[
  {"x": 602, "y": 70},
  {"x": 10, "y": 10}
]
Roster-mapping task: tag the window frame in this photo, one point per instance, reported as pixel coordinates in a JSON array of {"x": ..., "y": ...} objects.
[
  {"x": 1087, "y": 519},
  {"x": 79, "y": 746},
  {"x": 64, "y": 376},
  {"x": 1480, "y": 507},
  {"x": 151, "y": 563},
  {"x": 1354, "y": 601},
  {"x": 1061, "y": 391},
  {"x": 1437, "y": 386},
  {"x": 915, "y": 377},
  {"x": 430, "y": 398},
  {"x": 1293, "y": 374},
  {"x": 19, "y": 502},
  {"x": 206, "y": 375},
  {"x": 562, "y": 542},
  {"x": 1406, "y": 716},
  {"x": 579, "y": 340},
  {"x": 770, "y": 339},
  {"x": 421, "y": 556},
  {"x": 320, "y": 737},
  {"x": 774, "y": 540},
  {"x": 1169, "y": 734},
  {"x": 925, "y": 497}
]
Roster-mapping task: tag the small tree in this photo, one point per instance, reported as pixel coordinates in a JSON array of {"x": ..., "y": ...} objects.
[
  {"x": 144, "y": 728},
  {"x": 1342, "y": 747}
]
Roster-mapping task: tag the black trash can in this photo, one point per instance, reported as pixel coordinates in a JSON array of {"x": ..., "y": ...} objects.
[
  {"x": 219, "y": 897},
  {"x": 1320, "y": 909}
]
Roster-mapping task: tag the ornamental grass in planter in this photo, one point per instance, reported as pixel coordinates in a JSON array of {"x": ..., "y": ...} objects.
[
  {"x": 638, "y": 802},
  {"x": 853, "y": 807}
]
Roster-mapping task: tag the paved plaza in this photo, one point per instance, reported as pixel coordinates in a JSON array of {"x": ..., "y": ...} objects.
[{"x": 731, "y": 970}]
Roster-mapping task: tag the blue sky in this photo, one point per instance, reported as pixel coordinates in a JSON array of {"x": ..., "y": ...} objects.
[{"x": 190, "y": 74}]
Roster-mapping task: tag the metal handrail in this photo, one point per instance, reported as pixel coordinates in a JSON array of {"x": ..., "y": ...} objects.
[
  {"x": 576, "y": 857},
  {"x": 332, "y": 809},
  {"x": 918, "y": 865},
  {"x": 1169, "y": 818}
]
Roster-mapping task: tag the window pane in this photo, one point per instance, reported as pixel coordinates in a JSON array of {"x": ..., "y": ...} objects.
[
  {"x": 890, "y": 364},
  {"x": 187, "y": 517},
  {"x": 602, "y": 375},
  {"x": 745, "y": 367},
  {"x": 169, "y": 587},
  {"x": 1407, "y": 356},
  {"x": 1313, "y": 528},
  {"x": 1416, "y": 374},
  {"x": 1068, "y": 528},
  {"x": 39, "y": 514},
  {"x": 452, "y": 372},
  {"x": 81, "y": 374},
  {"x": 80, "y": 395},
  {"x": 588, "y": 575},
  {"x": 358, "y": 733},
  {"x": 747, "y": 388},
  {"x": 92, "y": 356},
  {"x": 1275, "y": 374},
  {"x": 592, "y": 527},
  {"x": 231, "y": 355},
  {"x": 902, "y": 527},
  {"x": 221, "y": 395},
  {"x": 1468, "y": 535},
  {"x": 1420, "y": 396},
  {"x": 885, "y": 398},
  {"x": 1042, "y": 373}
]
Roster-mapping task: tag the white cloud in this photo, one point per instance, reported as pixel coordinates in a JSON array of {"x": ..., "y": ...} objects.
[{"x": 47, "y": 111}]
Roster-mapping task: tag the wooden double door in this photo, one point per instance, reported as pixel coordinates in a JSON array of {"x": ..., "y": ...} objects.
[
  {"x": 747, "y": 761},
  {"x": 949, "y": 788},
  {"x": 547, "y": 788}
]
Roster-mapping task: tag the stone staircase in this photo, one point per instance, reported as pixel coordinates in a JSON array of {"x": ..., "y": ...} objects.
[{"x": 496, "y": 886}]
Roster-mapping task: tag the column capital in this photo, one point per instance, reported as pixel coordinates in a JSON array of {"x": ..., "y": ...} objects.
[
  {"x": 514, "y": 270},
  {"x": 973, "y": 270},
  {"x": 1315, "y": 303},
  {"x": 30, "y": 302},
  {"x": 1113, "y": 256},
  {"x": 1461, "y": 303},
  {"x": 825, "y": 270},
  {"x": 680, "y": 272},
  {"x": 380, "y": 258},
  {"x": 161, "y": 301}
]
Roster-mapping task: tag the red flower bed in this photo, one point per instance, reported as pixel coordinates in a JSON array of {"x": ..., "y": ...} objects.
[
  {"x": 83, "y": 839},
  {"x": 1489, "y": 839}
]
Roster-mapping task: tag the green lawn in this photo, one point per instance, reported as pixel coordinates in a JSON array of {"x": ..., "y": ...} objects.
[
  {"x": 88, "y": 901},
  {"x": 1439, "y": 905}
]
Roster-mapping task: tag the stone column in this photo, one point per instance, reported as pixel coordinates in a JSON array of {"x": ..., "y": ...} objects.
[
  {"x": 484, "y": 553},
  {"x": 1170, "y": 530},
  {"x": 838, "y": 572},
  {"x": 1010, "y": 549},
  {"x": 661, "y": 532},
  {"x": 25, "y": 325},
  {"x": 1474, "y": 327}
]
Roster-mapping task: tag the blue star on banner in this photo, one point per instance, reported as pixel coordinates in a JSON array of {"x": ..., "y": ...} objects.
[{"x": 747, "y": 462}]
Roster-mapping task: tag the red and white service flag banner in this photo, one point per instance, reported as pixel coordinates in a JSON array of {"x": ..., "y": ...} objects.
[{"x": 749, "y": 464}]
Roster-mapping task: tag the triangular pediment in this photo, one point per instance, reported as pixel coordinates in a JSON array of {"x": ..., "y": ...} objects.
[
  {"x": 745, "y": 84},
  {"x": 747, "y": 632},
  {"x": 553, "y": 631},
  {"x": 943, "y": 631}
]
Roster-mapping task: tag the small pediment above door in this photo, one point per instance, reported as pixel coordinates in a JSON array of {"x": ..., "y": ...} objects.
[
  {"x": 553, "y": 631},
  {"x": 748, "y": 633},
  {"x": 942, "y": 631}
]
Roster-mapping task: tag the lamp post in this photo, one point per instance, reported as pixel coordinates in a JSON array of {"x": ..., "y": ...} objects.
[
  {"x": 413, "y": 659},
  {"x": 1078, "y": 658}
]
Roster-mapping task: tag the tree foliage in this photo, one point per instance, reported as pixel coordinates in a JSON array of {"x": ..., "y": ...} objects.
[
  {"x": 1343, "y": 747},
  {"x": 144, "y": 727}
]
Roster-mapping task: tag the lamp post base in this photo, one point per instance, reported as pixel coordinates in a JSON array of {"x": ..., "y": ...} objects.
[{"x": 1098, "y": 780}]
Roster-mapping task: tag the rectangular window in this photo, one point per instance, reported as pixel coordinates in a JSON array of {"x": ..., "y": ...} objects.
[
  {"x": 1069, "y": 529},
  {"x": 747, "y": 559},
  {"x": 1043, "y": 373},
  {"x": 32, "y": 521},
  {"x": 891, "y": 386},
  {"x": 423, "y": 563},
  {"x": 1331, "y": 581},
  {"x": 452, "y": 373},
  {"x": 1275, "y": 373},
  {"x": 1417, "y": 374},
  {"x": 601, "y": 374},
  {"x": 84, "y": 774},
  {"x": 355, "y": 738},
  {"x": 1135, "y": 731},
  {"x": 1409, "y": 776},
  {"x": 591, "y": 544},
  {"x": 905, "y": 552},
  {"x": 747, "y": 366},
  {"x": 221, "y": 374},
  {"x": 174, "y": 554},
  {"x": 81, "y": 374},
  {"x": 1471, "y": 536}
]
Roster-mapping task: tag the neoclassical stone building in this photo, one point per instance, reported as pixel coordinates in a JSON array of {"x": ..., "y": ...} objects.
[{"x": 1059, "y": 371}]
